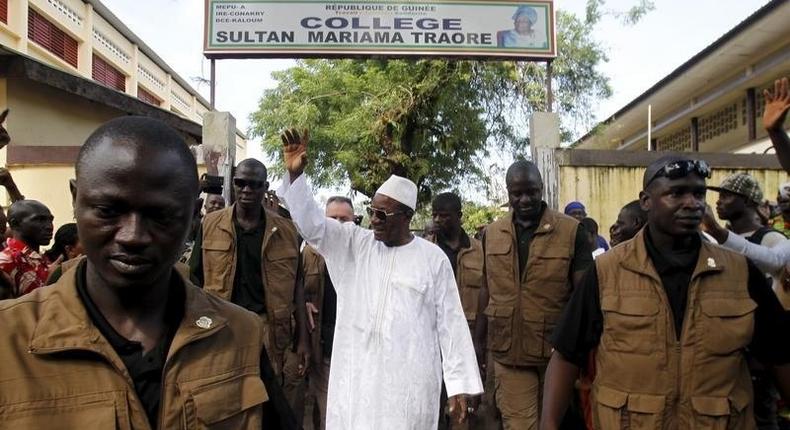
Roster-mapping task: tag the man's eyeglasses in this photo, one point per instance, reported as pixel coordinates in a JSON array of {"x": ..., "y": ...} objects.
[
  {"x": 380, "y": 214},
  {"x": 681, "y": 169},
  {"x": 255, "y": 185}
]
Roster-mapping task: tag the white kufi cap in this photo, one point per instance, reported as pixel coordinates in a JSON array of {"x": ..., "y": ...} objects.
[{"x": 401, "y": 190}]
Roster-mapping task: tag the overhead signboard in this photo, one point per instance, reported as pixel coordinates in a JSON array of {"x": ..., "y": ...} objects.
[{"x": 316, "y": 28}]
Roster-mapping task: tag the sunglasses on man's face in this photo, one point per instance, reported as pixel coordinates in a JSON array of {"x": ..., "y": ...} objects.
[
  {"x": 683, "y": 168},
  {"x": 242, "y": 183},
  {"x": 381, "y": 214}
]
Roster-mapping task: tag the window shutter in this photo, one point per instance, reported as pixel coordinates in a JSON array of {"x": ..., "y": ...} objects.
[
  {"x": 4, "y": 11},
  {"x": 147, "y": 97},
  {"x": 108, "y": 75},
  {"x": 50, "y": 37}
]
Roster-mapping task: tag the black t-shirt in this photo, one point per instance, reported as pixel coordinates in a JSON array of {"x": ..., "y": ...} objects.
[
  {"x": 328, "y": 316},
  {"x": 145, "y": 369},
  {"x": 582, "y": 254},
  {"x": 452, "y": 254},
  {"x": 580, "y": 328},
  {"x": 248, "y": 281}
]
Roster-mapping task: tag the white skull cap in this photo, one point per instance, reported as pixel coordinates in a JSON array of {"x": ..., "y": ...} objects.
[{"x": 401, "y": 190}]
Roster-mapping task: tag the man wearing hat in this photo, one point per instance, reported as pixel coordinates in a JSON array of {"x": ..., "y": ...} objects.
[
  {"x": 670, "y": 317},
  {"x": 781, "y": 222},
  {"x": 579, "y": 212},
  {"x": 739, "y": 197},
  {"x": 400, "y": 328}
]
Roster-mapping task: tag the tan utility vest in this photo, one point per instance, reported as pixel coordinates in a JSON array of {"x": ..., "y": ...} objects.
[
  {"x": 469, "y": 278},
  {"x": 646, "y": 378},
  {"x": 279, "y": 266},
  {"x": 523, "y": 308},
  {"x": 314, "y": 285},
  {"x": 58, "y": 371}
]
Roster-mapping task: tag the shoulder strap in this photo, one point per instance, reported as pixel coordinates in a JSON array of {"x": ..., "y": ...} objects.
[{"x": 757, "y": 237}]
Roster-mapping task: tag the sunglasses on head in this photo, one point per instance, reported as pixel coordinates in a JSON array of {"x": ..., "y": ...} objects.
[
  {"x": 681, "y": 169},
  {"x": 380, "y": 214},
  {"x": 255, "y": 185}
]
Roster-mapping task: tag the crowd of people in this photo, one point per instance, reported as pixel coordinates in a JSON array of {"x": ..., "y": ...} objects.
[{"x": 162, "y": 308}]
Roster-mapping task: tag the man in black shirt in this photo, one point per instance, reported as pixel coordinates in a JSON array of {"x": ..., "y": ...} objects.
[
  {"x": 123, "y": 339},
  {"x": 668, "y": 318},
  {"x": 250, "y": 256}
]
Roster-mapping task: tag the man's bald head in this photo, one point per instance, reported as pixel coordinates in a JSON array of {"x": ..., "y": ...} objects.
[
  {"x": 31, "y": 222},
  {"x": 23, "y": 208},
  {"x": 254, "y": 165},
  {"x": 523, "y": 168},
  {"x": 142, "y": 138}
]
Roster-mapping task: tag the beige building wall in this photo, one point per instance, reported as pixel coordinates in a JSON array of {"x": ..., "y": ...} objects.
[
  {"x": 97, "y": 34},
  {"x": 604, "y": 190},
  {"x": 48, "y": 184},
  {"x": 69, "y": 120}
]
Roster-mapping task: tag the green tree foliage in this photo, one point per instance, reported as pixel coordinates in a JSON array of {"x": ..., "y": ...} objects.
[
  {"x": 433, "y": 121},
  {"x": 475, "y": 215}
]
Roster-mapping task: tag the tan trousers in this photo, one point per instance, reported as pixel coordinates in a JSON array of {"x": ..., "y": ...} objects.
[
  {"x": 319, "y": 386},
  {"x": 285, "y": 363},
  {"x": 518, "y": 395},
  {"x": 486, "y": 417}
]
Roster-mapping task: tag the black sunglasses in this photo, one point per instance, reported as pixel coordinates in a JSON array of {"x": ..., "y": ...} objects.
[
  {"x": 380, "y": 214},
  {"x": 681, "y": 169},
  {"x": 255, "y": 185}
]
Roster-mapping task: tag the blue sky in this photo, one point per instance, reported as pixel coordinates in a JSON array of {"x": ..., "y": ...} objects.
[{"x": 639, "y": 55}]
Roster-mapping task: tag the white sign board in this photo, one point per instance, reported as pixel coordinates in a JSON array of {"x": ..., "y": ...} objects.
[{"x": 317, "y": 28}]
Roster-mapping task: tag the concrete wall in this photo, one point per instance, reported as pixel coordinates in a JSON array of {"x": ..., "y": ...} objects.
[
  {"x": 69, "y": 120},
  {"x": 49, "y": 185},
  {"x": 604, "y": 190},
  {"x": 605, "y": 181}
]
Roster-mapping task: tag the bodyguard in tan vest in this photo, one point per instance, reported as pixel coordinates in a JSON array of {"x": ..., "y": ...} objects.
[
  {"x": 533, "y": 257},
  {"x": 670, "y": 317},
  {"x": 250, "y": 256},
  {"x": 122, "y": 341},
  {"x": 466, "y": 258}
]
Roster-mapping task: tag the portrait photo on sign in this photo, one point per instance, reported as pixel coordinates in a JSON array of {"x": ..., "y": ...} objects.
[{"x": 528, "y": 28}]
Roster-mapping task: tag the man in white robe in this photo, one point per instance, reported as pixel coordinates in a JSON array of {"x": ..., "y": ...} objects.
[{"x": 400, "y": 326}]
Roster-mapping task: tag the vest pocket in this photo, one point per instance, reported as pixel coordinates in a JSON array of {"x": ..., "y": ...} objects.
[
  {"x": 500, "y": 327},
  {"x": 630, "y": 324},
  {"x": 281, "y": 329},
  {"x": 93, "y": 411},
  {"x": 552, "y": 265},
  {"x": 230, "y": 404},
  {"x": 470, "y": 292},
  {"x": 537, "y": 333},
  {"x": 718, "y": 413},
  {"x": 728, "y": 324},
  {"x": 617, "y": 409}
]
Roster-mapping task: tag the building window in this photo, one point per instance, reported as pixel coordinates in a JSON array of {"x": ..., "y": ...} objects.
[
  {"x": 4, "y": 11},
  {"x": 51, "y": 38},
  {"x": 147, "y": 97},
  {"x": 108, "y": 75}
]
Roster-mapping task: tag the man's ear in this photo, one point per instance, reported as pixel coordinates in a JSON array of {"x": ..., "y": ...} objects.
[
  {"x": 73, "y": 189},
  {"x": 644, "y": 201}
]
